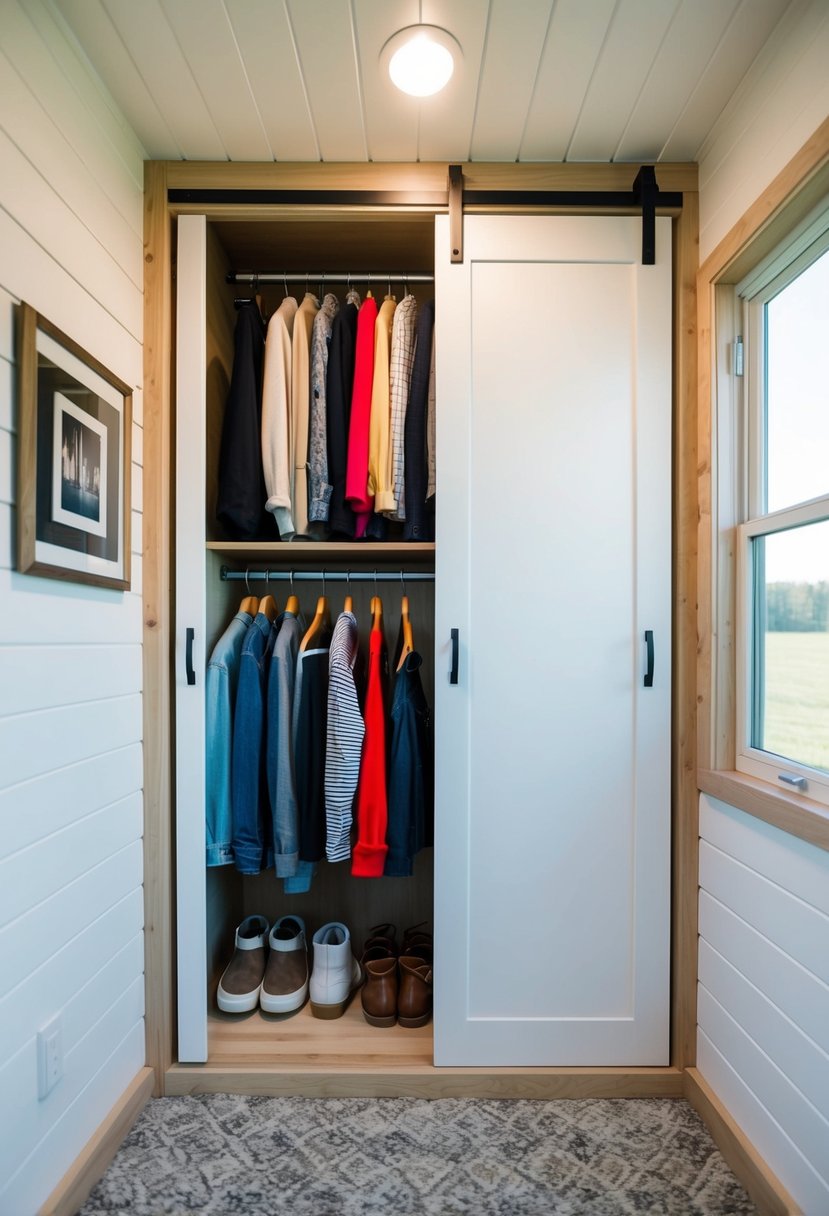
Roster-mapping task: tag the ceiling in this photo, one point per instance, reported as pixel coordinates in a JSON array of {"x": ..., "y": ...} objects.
[{"x": 540, "y": 80}]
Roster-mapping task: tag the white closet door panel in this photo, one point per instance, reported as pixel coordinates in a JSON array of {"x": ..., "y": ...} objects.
[
  {"x": 191, "y": 364},
  {"x": 553, "y": 347}
]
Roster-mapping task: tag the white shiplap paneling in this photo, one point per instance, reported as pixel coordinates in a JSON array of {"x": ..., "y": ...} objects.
[
  {"x": 515, "y": 42},
  {"x": 325, "y": 39},
  {"x": 391, "y": 118},
  {"x": 263, "y": 35},
  {"x": 446, "y": 125},
  {"x": 763, "y": 1001},
  {"x": 781, "y": 102},
  {"x": 71, "y": 220}
]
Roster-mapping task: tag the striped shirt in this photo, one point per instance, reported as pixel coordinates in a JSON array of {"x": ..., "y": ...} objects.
[
  {"x": 344, "y": 741},
  {"x": 400, "y": 376}
]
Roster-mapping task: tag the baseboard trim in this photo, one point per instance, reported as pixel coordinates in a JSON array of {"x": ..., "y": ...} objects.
[
  {"x": 424, "y": 1082},
  {"x": 90, "y": 1165},
  {"x": 764, "y": 1187}
]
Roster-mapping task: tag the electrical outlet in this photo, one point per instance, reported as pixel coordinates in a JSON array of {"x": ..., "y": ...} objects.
[{"x": 49, "y": 1056}]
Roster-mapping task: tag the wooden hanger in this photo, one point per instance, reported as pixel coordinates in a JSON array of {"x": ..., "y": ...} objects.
[
  {"x": 376, "y": 613},
  {"x": 249, "y": 604},
  {"x": 348, "y": 604},
  {"x": 319, "y": 626},
  {"x": 408, "y": 639},
  {"x": 292, "y": 605},
  {"x": 267, "y": 606}
]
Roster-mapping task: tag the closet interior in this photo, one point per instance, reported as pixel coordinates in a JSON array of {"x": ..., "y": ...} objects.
[{"x": 363, "y": 251}]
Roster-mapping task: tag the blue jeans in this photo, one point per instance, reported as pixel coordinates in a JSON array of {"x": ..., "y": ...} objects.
[{"x": 252, "y": 836}]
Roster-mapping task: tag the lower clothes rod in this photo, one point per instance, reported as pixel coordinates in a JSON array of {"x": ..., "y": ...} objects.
[{"x": 329, "y": 576}]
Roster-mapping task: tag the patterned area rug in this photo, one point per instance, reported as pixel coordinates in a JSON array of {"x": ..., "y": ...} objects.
[{"x": 224, "y": 1154}]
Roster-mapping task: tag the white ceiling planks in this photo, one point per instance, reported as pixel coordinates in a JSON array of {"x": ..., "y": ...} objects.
[
  {"x": 680, "y": 61},
  {"x": 446, "y": 119},
  {"x": 162, "y": 63},
  {"x": 263, "y": 35},
  {"x": 515, "y": 41},
  {"x": 574, "y": 41},
  {"x": 326, "y": 46},
  {"x": 212, "y": 53},
  {"x": 634, "y": 36},
  {"x": 112, "y": 60},
  {"x": 391, "y": 117},
  {"x": 741, "y": 43}
]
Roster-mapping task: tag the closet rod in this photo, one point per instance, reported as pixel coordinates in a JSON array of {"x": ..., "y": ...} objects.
[
  {"x": 247, "y": 276},
  {"x": 330, "y": 576}
]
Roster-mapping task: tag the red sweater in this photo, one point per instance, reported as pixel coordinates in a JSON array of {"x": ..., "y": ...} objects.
[
  {"x": 372, "y": 810},
  {"x": 356, "y": 476}
]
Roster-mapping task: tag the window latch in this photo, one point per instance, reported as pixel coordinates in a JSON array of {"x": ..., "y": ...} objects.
[
  {"x": 799, "y": 783},
  {"x": 739, "y": 355}
]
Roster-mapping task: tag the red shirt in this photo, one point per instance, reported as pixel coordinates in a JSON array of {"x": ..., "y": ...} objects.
[
  {"x": 372, "y": 810},
  {"x": 356, "y": 476}
]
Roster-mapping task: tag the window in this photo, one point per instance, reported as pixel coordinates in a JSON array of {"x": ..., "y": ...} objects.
[{"x": 783, "y": 545}]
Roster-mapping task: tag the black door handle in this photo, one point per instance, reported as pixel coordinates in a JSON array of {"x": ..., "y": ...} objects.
[
  {"x": 453, "y": 674},
  {"x": 188, "y": 656},
  {"x": 649, "y": 672}
]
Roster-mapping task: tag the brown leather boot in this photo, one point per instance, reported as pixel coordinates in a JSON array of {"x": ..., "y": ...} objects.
[
  {"x": 414, "y": 999},
  {"x": 379, "y": 993}
]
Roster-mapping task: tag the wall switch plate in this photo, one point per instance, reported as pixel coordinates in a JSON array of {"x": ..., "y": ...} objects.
[{"x": 49, "y": 1056}]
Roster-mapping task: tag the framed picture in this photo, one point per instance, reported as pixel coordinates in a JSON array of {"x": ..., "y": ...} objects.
[{"x": 73, "y": 480}]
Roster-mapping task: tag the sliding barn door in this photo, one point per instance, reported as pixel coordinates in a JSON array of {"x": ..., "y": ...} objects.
[{"x": 553, "y": 562}]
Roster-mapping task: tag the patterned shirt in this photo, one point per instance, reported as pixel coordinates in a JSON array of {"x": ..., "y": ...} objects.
[
  {"x": 319, "y": 487},
  {"x": 345, "y": 732},
  {"x": 400, "y": 374}
]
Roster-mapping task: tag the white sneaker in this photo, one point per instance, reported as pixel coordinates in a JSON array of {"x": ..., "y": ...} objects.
[
  {"x": 241, "y": 982},
  {"x": 336, "y": 972}
]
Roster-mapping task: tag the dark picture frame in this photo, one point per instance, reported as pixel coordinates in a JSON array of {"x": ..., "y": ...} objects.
[{"x": 74, "y": 460}]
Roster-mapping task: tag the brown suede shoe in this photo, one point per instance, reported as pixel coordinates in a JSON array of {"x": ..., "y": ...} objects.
[
  {"x": 285, "y": 985},
  {"x": 242, "y": 979},
  {"x": 379, "y": 993},
  {"x": 414, "y": 998}
]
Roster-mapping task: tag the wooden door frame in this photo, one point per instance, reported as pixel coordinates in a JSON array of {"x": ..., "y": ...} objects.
[{"x": 160, "y": 177}]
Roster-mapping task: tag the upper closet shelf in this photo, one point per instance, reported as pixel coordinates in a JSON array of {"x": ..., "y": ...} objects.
[{"x": 318, "y": 554}]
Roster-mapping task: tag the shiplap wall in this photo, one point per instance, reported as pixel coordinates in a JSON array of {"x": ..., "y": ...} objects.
[
  {"x": 71, "y": 908},
  {"x": 783, "y": 99},
  {"x": 763, "y": 1013}
]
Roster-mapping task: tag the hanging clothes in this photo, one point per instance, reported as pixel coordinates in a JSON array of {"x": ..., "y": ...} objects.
[
  {"x": 301, "y": 407},
  {"x": 220, "y": 687},
  {"x": 372, "y": 803},
  {"x": 400, "y": 377},
  {"x": 252, "y": 846},
  {"x": 339, "y": 388},
  {"x": 310, "y": 729},
  {"x": 344, "y": 742},
  {"x": 241, "y": 485},
  {"x": 277, "y": 427},
  {"x": 356, "y": 483},
  {"x": 379, "y": 446},
  {"x": 319, "y": 485},
  {"x": 417, "y": 526},
  {"x": 280, "y": 768},
  {"x": 411, "y": 771}
]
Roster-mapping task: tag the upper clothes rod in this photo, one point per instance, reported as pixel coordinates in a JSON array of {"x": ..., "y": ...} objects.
[
  {"x": 373, "y": 276},
  {"x": 330, "y": 576}
]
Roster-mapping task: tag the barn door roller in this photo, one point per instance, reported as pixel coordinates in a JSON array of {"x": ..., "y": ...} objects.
[{"x": 644, "y": 195}]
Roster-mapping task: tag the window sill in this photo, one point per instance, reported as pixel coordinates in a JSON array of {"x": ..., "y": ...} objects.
[{"x": 792, "y": 813}]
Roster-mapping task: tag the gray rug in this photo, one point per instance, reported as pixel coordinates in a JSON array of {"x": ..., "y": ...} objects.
[{"x": 222, "y": 1154}]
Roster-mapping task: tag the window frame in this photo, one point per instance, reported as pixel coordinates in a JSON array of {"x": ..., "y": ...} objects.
[{"x": 778, "y": 270}]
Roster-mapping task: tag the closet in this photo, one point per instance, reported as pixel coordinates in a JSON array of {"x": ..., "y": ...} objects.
[{"x": 545, "y": 637}]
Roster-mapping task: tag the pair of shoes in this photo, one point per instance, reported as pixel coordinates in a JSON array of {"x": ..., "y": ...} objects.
[
  {"x": 336, "y": 974},
  {"x": 397, "y": 989},
  {"x": 268, "y": 968}
]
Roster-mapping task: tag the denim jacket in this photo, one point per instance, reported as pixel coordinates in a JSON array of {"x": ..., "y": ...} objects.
[
  {"x": 220, "y": 697},
  {"x": 252, "y": 843}
]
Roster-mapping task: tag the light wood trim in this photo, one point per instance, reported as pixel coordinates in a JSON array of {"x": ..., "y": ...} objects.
[
  {"x": 424, "y": 177},
  {"x": 323, "y": 557},
  {"x": 791, "y": 180},
  {"x": 791, "y": 812},
  {"x": 764, "y": 1187},
  {"x": 427, "y": 1082},
  {"x": 91, "y": 1164},
  {"x": 684, "y": 797},
  {"x": 26, "y": 370},
  {"x": 158, "y": 943}
]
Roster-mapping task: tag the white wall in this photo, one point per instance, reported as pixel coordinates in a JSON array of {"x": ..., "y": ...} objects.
[
  {"x": 71, "y": 906},
  {"x": 782, "y": 100},
  {"x": 763, "y": 1013}
]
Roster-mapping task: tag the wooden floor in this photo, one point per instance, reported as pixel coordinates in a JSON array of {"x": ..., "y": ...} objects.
[{"x": 260, "y": 1053}]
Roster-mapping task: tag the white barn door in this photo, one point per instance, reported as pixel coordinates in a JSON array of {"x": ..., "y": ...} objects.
[{"x": 552, "y": 905}]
